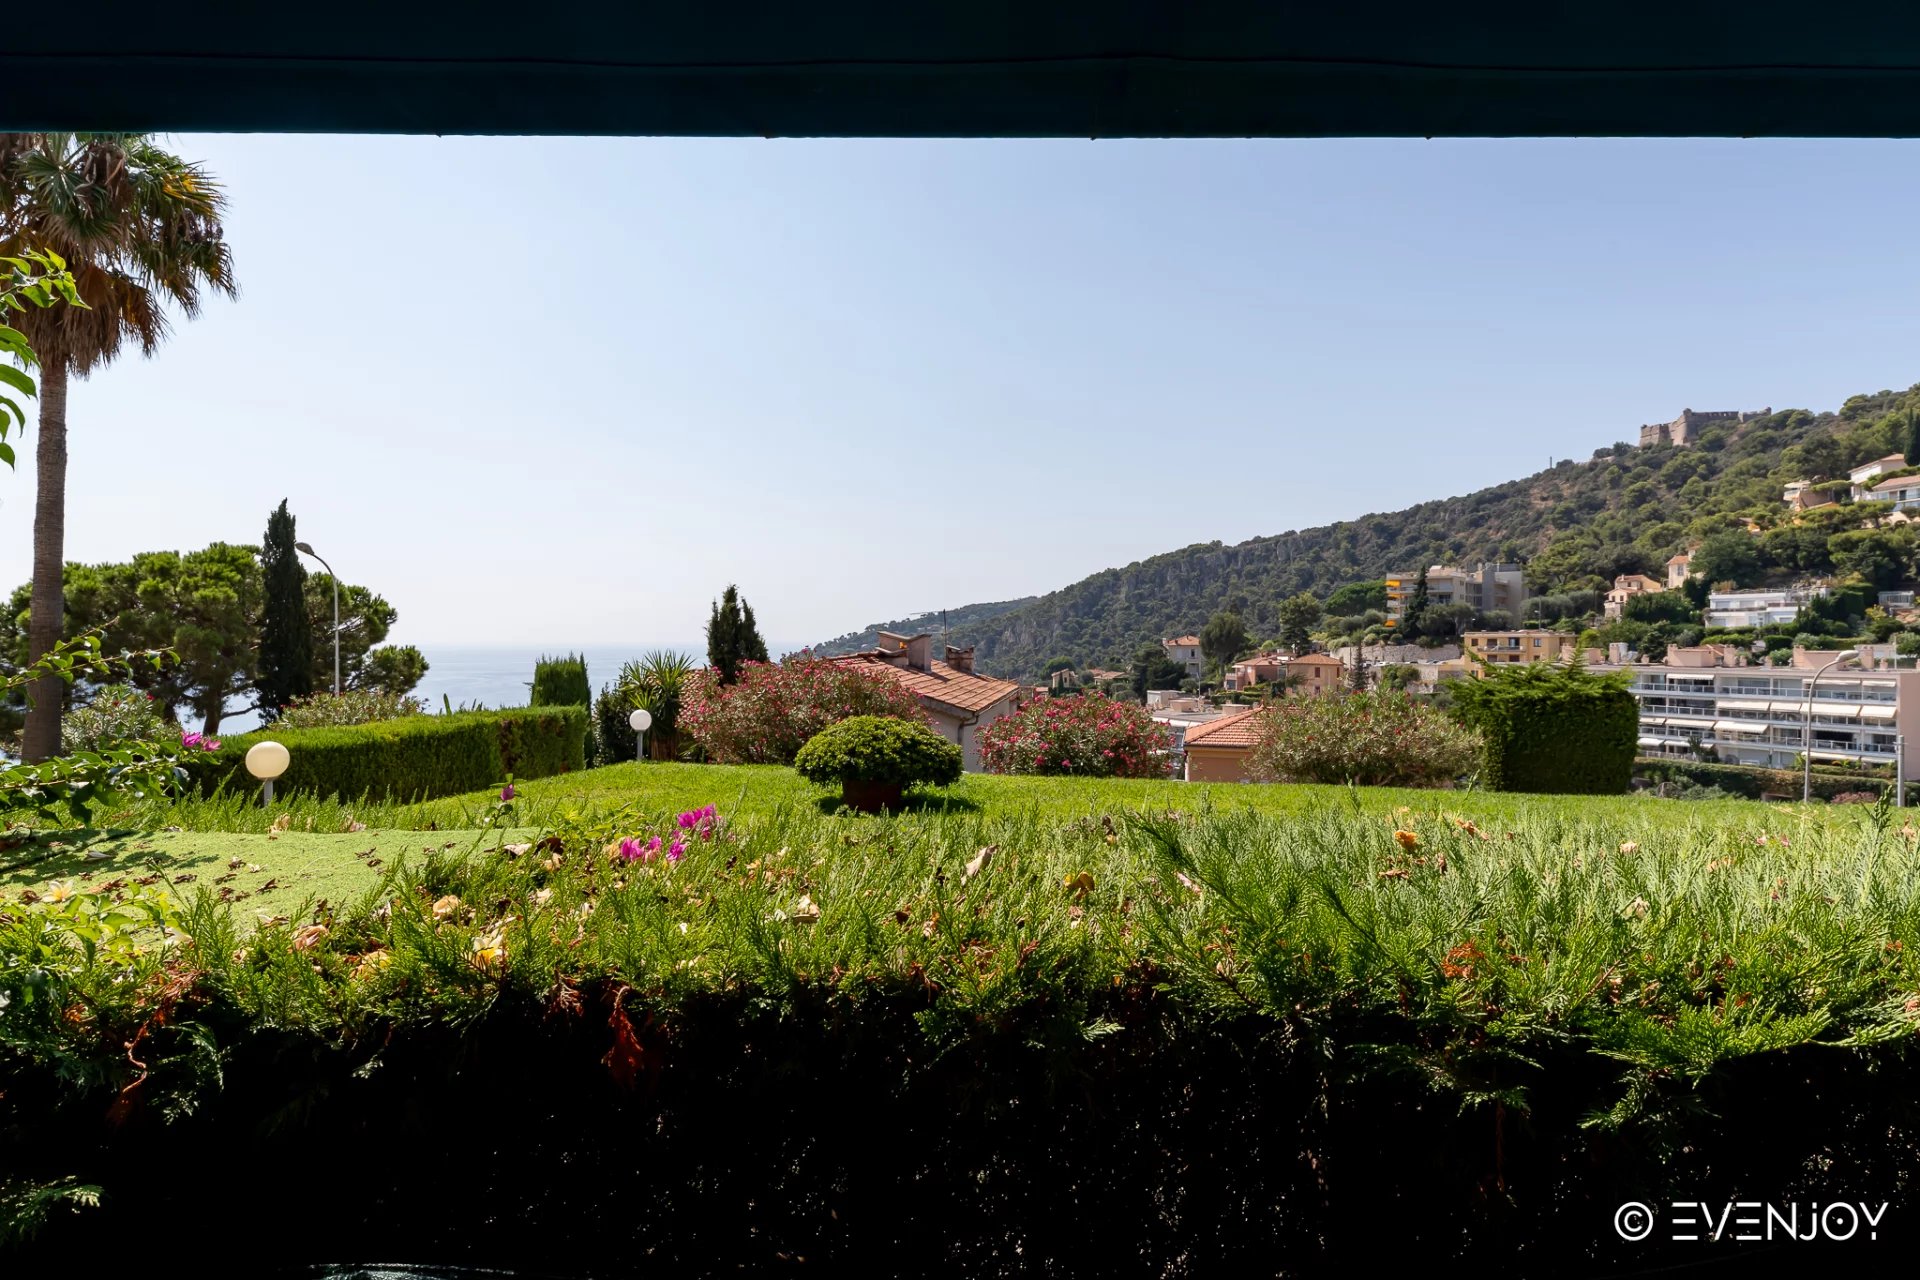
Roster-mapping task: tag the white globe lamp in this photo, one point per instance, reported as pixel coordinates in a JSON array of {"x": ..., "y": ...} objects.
[
  {"x": 641, "y": 720},
  {"x": 267, "y": 761}
]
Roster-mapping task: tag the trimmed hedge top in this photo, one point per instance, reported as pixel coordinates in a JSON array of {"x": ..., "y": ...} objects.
[
  {"x": 414, "y": 758},
  {"x": 1551, "y": 727},
  {"x": 879, "y": 749}
]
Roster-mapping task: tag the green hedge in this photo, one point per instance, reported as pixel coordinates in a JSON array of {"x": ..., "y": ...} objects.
[
  {"x": 1552, "y": 727},
  {"x": 1753, "y": 781},
  {"x": 417, "y": 757}
]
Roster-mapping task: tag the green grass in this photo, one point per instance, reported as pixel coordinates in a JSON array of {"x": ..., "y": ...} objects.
[{"x": 189, "y": 843}]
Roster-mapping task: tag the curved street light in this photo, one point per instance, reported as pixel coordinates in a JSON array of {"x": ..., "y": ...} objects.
[
  {"x": 306, "y": 548},
  {"x": 1806, "y": 731}
]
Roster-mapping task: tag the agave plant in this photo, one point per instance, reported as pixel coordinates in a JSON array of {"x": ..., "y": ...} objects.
[{"x": 656, "y": 682}]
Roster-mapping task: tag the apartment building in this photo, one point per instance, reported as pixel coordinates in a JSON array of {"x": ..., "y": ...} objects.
[
  {"x": 1757, "y": 608},
  {"x": 1757, "y": 715},
  {"x": 1504, "y": 647},
  {"x": 1485, "y": 586},
  {"x": 1902, "y": 491},
  {"x": 1625, "y": 587},
  {"x": 1865, "y": 472},
  {"x": 1185, "y": 650}
]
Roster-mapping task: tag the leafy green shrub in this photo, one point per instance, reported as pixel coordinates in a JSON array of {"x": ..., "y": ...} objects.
[
  {"x": 1753, "y": 781},
  {"x": 116, "y": 713},
  {"x": 1550, "y": 727},
  {"x": 879, "y": 752},
  {"x": 413, "y": 757},
  {"x": 561, "y": 682},
  {"x": 1384, "y": 739},
  {"x": 349, "y": 707}
]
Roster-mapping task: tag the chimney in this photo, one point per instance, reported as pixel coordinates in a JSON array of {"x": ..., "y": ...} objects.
[
  {"x": 920, "y": 652},
  {"x": 960, "y": 660}
]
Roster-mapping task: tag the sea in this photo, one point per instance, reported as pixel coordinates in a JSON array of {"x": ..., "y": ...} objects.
[{"x": 502, "y": 675}]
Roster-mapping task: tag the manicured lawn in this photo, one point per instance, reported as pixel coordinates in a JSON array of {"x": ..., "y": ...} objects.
[{"x": 319, "y": 857}]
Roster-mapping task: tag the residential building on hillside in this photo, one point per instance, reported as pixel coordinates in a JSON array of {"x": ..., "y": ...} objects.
[
  {"x": 1757, "y": 607},
  {"x": 1685, "y": 429},
  {"x": 1220, "y": 751},
  {"x": 1506, "y": 647},
  {"x": 958, "y": 702},
  {"x": 1757, "y": 715},
  {"x": 1485, "y": 586},
  {"x": 1625, "y": 587},
  {"x": 1805, "y": 495},
  {"x": 1315, "y": 675},
  {"x": 1678, "y": 567},
  {"x": 1262, "y": 668},
  {"x": 1860, "y": 476},
  {"x": 1895, "y": 601},
  {"x": 1185, "y": 650},
  {"x": 1902, "y": 491},
  {"x": 1181, "y": 716}
]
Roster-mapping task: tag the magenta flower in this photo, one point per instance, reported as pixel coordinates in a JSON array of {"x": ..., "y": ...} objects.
[
  {"x": 507, "y": 792},
  {"x": 678, "y": 851}
]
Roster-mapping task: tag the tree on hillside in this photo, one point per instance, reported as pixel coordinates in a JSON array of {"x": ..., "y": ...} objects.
[
  {"x": 1061, "y": 663},
  {"x": 1358, "y": 597},
  {"x": 1913, "y": 439},
  {"x": 1299, "y": 615},
  {"x": 1223, "y": 639},
  {"x": 1727, "y": 557},
  {"x": 1153, "y": 669},
  {"x": 732, "y": 636},
  {"x": 1414, "y": 613},
  {"x": 286, "y": 633},
  {"x": 140, "y": 229}
]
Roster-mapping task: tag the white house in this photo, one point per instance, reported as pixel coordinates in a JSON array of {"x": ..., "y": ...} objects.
[
  {"x": 1865, "y": 472},
  {"x": 1185, "y": 650},
  {"x": 1757, "y": 608}
]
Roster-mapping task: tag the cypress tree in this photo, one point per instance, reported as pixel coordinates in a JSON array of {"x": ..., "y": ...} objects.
[
  {"x": 1913, "y": 440},
  {"x": 732, "y": 636},
  {"x": 285, "y": 670}
]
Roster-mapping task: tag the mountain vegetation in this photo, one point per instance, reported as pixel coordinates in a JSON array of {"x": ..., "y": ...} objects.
[{"x": 1574, "y": 526}]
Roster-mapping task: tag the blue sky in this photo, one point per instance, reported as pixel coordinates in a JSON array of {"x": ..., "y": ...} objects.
[{"x": 560, "y": 391}]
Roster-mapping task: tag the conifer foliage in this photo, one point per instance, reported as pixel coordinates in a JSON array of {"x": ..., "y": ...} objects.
[
  {"x": 732, "y": 636},
  {"x": 286, "y": 633}
]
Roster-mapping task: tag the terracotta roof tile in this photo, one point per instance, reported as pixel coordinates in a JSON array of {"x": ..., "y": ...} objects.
[
  {"x": 960, "y": 690},
  {"x": 1898, "y": 482},
  {"x": 1192, "y": 640},
  {"x": 1237, "y": 730}
]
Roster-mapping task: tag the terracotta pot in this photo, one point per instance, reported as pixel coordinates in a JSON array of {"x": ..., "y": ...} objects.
[{"x": 871, "y": 797}]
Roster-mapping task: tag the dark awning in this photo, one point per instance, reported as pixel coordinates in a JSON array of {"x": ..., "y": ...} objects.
[{"x": 1078, "y": 68}]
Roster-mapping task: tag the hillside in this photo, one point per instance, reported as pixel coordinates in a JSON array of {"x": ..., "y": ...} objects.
[
  {"x": 1575, "y": 526},
  {"x": 972, "y": 617}
]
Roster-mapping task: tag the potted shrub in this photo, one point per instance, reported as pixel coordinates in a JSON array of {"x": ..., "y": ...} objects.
[{"x": 875, "y": 759}]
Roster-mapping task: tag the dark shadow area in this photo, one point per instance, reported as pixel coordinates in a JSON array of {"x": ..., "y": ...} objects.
[{"x": 913, "y": 802}]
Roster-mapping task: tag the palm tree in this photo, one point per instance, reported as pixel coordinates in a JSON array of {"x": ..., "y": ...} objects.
[{"x": 140, "y": 229}]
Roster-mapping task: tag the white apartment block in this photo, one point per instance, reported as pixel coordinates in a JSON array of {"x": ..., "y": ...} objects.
[
  {"x": 1758, "y": 715},
  {"x": 1757, "y": 608}
]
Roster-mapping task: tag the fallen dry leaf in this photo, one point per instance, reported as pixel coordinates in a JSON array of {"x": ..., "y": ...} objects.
[
  {"x": 804, "y": 911},
  {"x": 980, "y": 860},
  {"x": 446, "y": 906},
  {"x": 282, "y": 822},
  {"x": 308, "y": 938}
]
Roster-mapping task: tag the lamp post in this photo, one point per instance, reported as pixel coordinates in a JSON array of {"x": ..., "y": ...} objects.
[
  {"x": 267, "y": 761},
  {"x": 1806, "y": 730},
  {"x": 306, "y": 548},
  {"x": 641, "y": 720}
]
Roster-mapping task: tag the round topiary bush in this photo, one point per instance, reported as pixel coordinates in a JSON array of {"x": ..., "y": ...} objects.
[{"x": 876, "y": 758}]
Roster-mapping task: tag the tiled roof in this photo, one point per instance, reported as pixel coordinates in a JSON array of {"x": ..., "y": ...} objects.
[
  {"x": 1317, "y": 659},
  {"x": 961, "y": 690},
  {"x": 1191, "y": 640},
  {"x": 1237, "y": 730},
  {"x": 1682, "y": 558},
  {"x": 1898, "y": 482}
]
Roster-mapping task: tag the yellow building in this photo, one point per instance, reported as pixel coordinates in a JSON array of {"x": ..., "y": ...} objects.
[{"x": 1500, "y": 648}]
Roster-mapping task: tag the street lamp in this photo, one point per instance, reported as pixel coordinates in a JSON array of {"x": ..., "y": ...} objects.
[
  {"x": 306, "y": 548},
  {"x": 1806, "y": 730},
  {"x": 641, "y": 720},
  {"x": 267, "y": 761}
]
